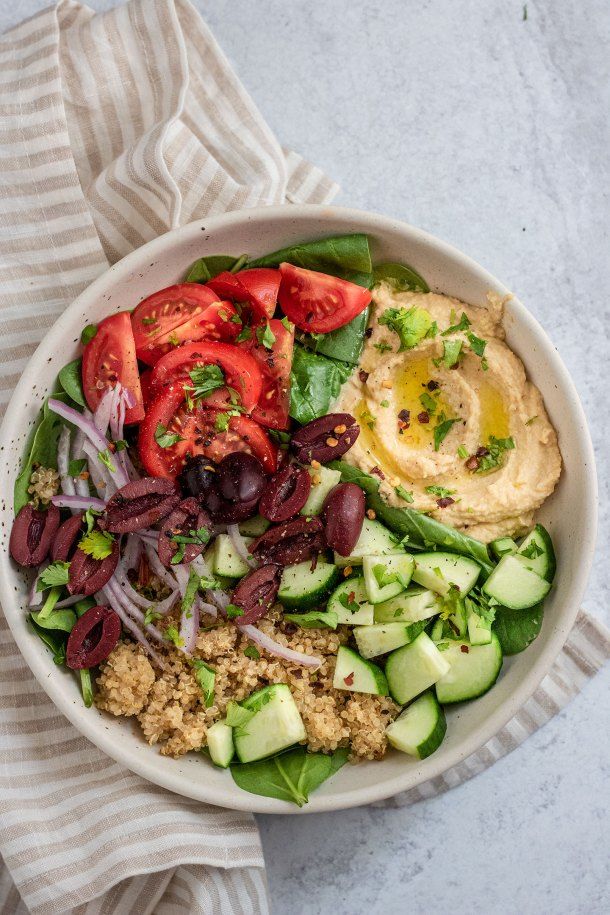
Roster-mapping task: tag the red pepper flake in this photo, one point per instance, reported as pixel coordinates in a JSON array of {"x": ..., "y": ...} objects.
[
  {"x": 464, "y": 649},
  {"x": 405, "y": 416},
  {"x": 445, "y": 502},
  {"x": 351, "y": 597},
  {"x": 433, "y": 385},
  {"x": 368, "y": 332},
  {"x": 378, "y": 472},
  {"x": 482, "y": 452},
  {"x": 349, "y": 680},
  {"x": 363, "y": 376},
  {"x": 423, "y": 417}
]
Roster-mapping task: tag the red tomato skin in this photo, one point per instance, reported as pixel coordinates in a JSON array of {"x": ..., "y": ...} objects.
[
  {"x": 317, "y": 302},
  {"x": 111, "y": 356},
  {"x": 275, "y": 364},
  {"x": 169, "y": 409},
  {"x": 213, "y": 323},
  {"x": 229, "y": 286},
  {"x": 263, "y": 283},
  {"x": 154, "y": 319},
  {"x": 240, "y": 368},
  {"x": 147, "y": 389}
]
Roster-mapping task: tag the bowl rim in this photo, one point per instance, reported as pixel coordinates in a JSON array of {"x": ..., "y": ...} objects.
[{"x": 91, "y": 726}]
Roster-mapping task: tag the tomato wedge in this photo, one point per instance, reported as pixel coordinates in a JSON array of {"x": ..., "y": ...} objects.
[
  {"x": 214, "y": 323},
  {"x": 257, "y": 287},
  {"x": 147, "y": 389},
  {"x": 274, "y": 365},
  {"x": 198, "y": 432},
  {"x": 317, "y": 302},
  {"x": 154, "y": 319},
  {"x": 110, "y": 357},
  {"x": 240, "y": 369}
]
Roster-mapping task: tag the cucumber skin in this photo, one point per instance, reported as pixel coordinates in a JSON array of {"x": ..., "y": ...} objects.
[
  {"x": 494, "y": 641},
  {"x": 549, "y": 573},
  {"x": 310, "y": 601},
  {"x": 429, "y": 746}
]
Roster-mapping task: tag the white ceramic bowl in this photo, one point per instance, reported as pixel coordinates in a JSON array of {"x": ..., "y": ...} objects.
[{"x": 570, "y": 514}]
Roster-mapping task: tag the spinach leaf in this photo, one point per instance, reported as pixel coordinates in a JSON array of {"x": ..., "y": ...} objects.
[
  {"x": 290, "y": 776},
  {"x": 345, "y": 343},
  {"x": 41, "y": 450},
  {"x": 315, "y": 381},
  {"x": 340, "y": 255},
  {"x": 206, "y": 268},
  {"x": 516, "y": 629},
  {"x": 59, "y": 620},
  {"x": 314, "y": 619},
  {"x": 422, "y": 532},
  {"x": 400, "y": 277},
  {"x": 55, "y": 640},
  {"x": 70, "y": 380}
]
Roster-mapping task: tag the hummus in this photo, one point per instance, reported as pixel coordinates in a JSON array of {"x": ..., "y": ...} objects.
[{"x": 470, "y": 443}]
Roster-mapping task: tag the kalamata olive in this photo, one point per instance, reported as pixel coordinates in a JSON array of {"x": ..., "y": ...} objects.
[
  {"x": 285, "y": 494},
  {"x": 325, "y": 439},
  {"x": 198, "y": 476},
  {"x": 139, "y": 504},
  {"x": 343, "y": 513},
  {"x": 188, "y": 517},
  {"x": 92, "y": 638},
  {"x": 256, "y": 593},
  {"x": 32, "y": 534},
  {"x": 224, "y": 512},
  {"x": 67, "y": 538},
  {"x": 291, "y": 542},
  {"x": 87, "y": 575},
  {"x": 241, "y": 477}
]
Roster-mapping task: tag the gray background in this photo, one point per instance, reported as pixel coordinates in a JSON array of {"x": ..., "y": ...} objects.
[{"x": 490, "y": 130}]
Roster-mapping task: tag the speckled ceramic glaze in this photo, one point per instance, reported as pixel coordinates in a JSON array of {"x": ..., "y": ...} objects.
[{"x": 570, "y": 514}]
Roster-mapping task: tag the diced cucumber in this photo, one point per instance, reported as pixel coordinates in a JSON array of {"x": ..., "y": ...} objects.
[
  {"x": 354, "y": 673},
  {"x": 502, "y": 546},
  {"x": 384, "y": 637},
  {"x": 225, "y": 559},
  {"x": 515, "y": 586},
  {"x": 220, "y": 744},
  {"x": 301, "y": 588},
  {"x": 386, "y": 576},
  {"x": 412, "y": 605},
  {"x": 479, "y": 629},
  {"x": 327, "y": 479},
  {"x": 253, "y": 527},
  {"x": 374, "y": 540},
  {"x": 438, "y": 631},
  {"x": 537, "y": 553},
  {"x": 349, "y": 602},
  {"x": 459, "y": 619},
  {"x": 420, "y": 729},
  {"x": 473, "y": 669},
  {"x": 438, "y": 571},
  {"x": 415, "y": 667},
  {"x": 275, "y": 725}
]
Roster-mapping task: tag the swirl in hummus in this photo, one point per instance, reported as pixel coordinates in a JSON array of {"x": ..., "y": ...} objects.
[{"x": 456, "y": 430}]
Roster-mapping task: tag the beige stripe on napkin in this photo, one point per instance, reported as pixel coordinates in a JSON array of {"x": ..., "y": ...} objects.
[{"x": 114, "y": 129}]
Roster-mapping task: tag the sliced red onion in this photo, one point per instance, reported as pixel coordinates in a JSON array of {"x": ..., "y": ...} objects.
[
  {"x": 98, "y": 440},
  {"x": 149, "y": 536},
  {"x": 182, "y": 577},
  {"x": 69, "y": 601},
  {"x": 210, "y": 609},
  {"x": 162, "y": 606},
  {"x": 158, "y": 568},
  {"x": 81, "y": 486},
  {"x": 101, "y": 417},
  {"x": 79, "y": 503},
  {"x": 132, "y": 552},
  {"x": 279, "y": 651},
  {"x": 63, "y": 460},
  {"x": 189, "y": 627},
  {"x": 106, "y": 596},
  {"x": 132, "y": 610},
  {"x": 241, "y": 548},
  {"x": 103, "y": 481},
  {"x": 34, "y": 595}
]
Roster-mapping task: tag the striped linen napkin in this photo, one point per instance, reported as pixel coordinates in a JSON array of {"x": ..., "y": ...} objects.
[{"x": 115, "y": 128}]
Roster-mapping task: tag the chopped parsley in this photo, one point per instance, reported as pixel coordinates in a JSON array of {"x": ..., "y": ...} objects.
[
  {"x": 252, "y": 652},
  {"x": 55, "y": 575},
  {"x": 173, "y": 339},
  {"x": 315, "y": 619},
  {"x": 384, "y": 403},
  {"x": 428, "y": 403},
  {"x": 404, "y": 494},
  {"x": 98, "y": 544},
  {"x": 89, "y": 518},
  {"x": 244, "y": 335},
  {"x": 236, "y": 715},
  {"x": 287, "y": 324},
  {"x": 151, "y": 616},
  {"x": 496, "y": 447},
  {"x": 440, "y": 491},
  {"x": 265, "y": 336},
  {"x": 206, "y": 677},
  {"x": 165, "y": 439},
  {"x": 201, "y": 536},
  {"x": 452, "y": 350},
  {"x": 442, "y": 430},
  {"x": 76, "y": 467},
  {"x": 367, "y": 417},
  {"x": 532, "y": 551},
  {"x": 172, "y": 635},
  {"x": 106, "y": 460},
  {"x": 476, "y": 344},
  {"x": 383, "y": 347},
  {"x": 206, "y": 379},
  {"x": 233, "y": 611},
  {"x": 349, "y": 602},
  {"x": 462, "y": 452},
  {"x": 462, "y": 325},
  {"x": 149, "y": 321},
  {"x": 190, "y": 592},
  {"x": 410, "y": 324}
]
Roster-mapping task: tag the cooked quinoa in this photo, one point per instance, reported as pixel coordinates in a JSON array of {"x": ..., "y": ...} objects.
[
  {"x": 169, "y": 705},
  {"x": 44, "y": 484}
]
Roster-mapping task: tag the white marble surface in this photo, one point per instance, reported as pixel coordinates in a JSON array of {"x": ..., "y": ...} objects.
[{"x": 491, "y": 131}]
